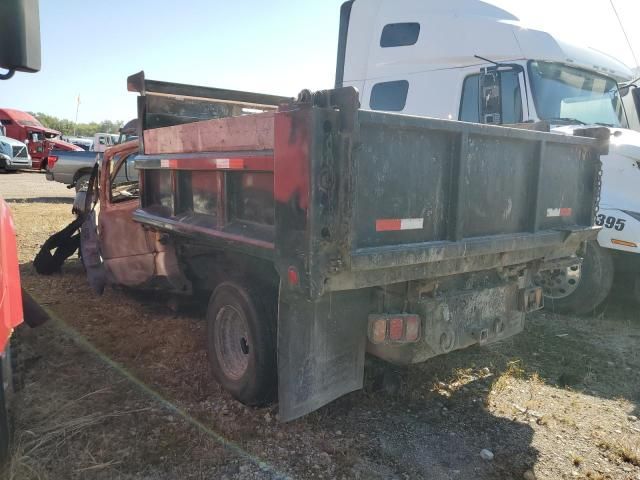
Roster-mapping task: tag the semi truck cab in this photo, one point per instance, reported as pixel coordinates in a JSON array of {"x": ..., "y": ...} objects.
[
  {"x": 471, "y": 61},
  {"x": 41, "y": 140}
]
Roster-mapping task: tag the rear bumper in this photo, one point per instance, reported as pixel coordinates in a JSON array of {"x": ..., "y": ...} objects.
[
  {"x": 459, "y": 320},
  {"x": 67, "y": 179}
]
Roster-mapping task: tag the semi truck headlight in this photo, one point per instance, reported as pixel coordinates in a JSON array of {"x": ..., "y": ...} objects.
[{"x": 5, "y": 157}]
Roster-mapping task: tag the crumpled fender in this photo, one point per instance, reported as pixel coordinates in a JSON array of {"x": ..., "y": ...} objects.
[{"x": 91, "y": 257}]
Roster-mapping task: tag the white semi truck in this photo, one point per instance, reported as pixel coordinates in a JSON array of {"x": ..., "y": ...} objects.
[{"x": 471, "y": 61}]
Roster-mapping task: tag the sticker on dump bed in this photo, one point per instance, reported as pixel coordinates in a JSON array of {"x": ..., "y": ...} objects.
[
  {"x": 229, "y": 163},
  {"x": 559, "y": 212},
  {"x": 392, "y": 225}
]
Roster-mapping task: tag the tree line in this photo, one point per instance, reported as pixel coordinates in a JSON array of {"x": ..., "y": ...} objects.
[{"x": 67, "y": 127}]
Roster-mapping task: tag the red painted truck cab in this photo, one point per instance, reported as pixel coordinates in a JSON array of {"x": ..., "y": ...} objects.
[
  {"x": 11, "y": 314},
  {"x": 41, "y": 140}
]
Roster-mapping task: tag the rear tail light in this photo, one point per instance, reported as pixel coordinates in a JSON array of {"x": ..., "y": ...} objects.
[
  {"x": 51, "y": 161},
  {"x": 378, "y": 330},
  {"x": 412, "y": 329},
  {"x": 394, "y": 328}
]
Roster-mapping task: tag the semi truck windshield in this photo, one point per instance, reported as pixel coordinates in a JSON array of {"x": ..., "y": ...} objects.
[{"x": 566, "y": 93}]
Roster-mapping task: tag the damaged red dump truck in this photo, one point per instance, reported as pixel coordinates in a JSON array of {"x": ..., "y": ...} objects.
[{"x": 320, "y": 231}]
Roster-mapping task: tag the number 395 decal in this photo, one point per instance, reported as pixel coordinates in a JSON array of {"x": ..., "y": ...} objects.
[{"x": 610, "y": 222}]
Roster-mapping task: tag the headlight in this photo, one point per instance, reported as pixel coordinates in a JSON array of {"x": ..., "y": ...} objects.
[
  {"x": 5, "y": 157},
  {"x": 635, "y": 215}
]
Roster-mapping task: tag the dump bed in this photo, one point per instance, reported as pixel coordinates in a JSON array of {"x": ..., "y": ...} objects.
[
  {"x": 364, "y": 198},
  {"x": 355, "y": 198},
  {"x": 363, "y": 215}
]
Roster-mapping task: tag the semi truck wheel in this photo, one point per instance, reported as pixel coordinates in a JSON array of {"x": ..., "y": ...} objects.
[
  {"x": 241, "y": 343},
  {"x": 636, "y": 289},
  {"x": 580, "y": 289}
]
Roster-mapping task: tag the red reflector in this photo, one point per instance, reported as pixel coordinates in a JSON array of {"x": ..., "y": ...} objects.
[
  {"x": 396, "y": 329},
  {"x": 379, "y": 331},
  {"x": 388, "y": 225},
  {"x": 294, "y": 278},
  {"x": 51, "y": 161},
  {"x": 413, "y": 328}
]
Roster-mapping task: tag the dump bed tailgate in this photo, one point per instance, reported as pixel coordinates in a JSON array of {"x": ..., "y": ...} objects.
[{"x": 396, "y": 198}]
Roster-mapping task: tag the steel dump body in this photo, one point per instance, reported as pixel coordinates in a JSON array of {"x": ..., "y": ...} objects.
[{"x": 362, "y": 213}]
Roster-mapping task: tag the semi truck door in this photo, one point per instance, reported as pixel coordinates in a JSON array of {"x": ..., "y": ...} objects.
[
  {"x": 508, "y": 103},
  {"x": 127, "y": 248},
  {"x": 36, "y": 144}
]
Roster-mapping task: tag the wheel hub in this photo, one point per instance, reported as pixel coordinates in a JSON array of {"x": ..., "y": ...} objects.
[
  {"x": 560, "y": 283},
  {"x": 232, "y": 342}
]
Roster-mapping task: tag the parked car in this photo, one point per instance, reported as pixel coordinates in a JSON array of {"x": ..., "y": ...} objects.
[
  {"x": 25, "y": 128},
  {"x": 13, "y": 154},
  {"x": 71, "y": 168},
  {"x": 74, "y": 168},
  {"x": 320, "y": 230},
  {"x": 85, "y": 143}
]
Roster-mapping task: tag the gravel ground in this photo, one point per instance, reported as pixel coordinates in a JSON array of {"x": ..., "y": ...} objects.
[
  {"x": 31, "y": 186},
  {"x": 117, "y": 387}
]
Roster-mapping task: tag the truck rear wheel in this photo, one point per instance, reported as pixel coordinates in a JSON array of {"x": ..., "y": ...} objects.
[
  {"x": 580, "y": 289},
  {"x": 241, "y": 343},
  {"x": 82, "y": 182}
]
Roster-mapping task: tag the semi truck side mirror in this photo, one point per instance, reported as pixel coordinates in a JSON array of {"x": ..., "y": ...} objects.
[
  {"x": 19, "y": 36},
  {"x": 490, "y": 97},
  {"x": 635, "y": 92}
]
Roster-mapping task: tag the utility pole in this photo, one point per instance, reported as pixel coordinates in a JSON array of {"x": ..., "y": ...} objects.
[{"x": 75, "y": 125}]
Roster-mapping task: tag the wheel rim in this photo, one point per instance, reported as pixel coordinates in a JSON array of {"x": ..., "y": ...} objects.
[
  {"x": 560, "y": 283},
  {"x": 232, "y": 342}
]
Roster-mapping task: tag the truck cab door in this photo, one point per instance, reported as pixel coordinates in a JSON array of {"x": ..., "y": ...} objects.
[
  {"x": 128, "y": 250},
  {"x": 36, "y": 144},
  {"x": 494, "y": 97}
]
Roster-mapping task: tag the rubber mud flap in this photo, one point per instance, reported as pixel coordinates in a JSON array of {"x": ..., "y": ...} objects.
[
  {"x": 321, "y": 346},
  {"x": 90, "y": 249}
]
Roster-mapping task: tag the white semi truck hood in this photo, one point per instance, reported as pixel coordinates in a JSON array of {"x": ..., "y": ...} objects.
[{"x": 7, "y": 145}]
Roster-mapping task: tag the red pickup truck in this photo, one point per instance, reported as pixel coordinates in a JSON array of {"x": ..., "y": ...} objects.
[
  {"x": 40, "y": 139},
  {"x": 11, "y": 315},
  {"x": 320, "y": 230}
]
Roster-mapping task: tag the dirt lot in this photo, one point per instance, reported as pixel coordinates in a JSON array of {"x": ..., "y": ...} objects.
[{"x": 117, "y": 387}]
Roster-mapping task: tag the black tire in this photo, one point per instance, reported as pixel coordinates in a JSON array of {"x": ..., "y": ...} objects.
[
  {"x": 6, "y": 394},
  {"x": 82, "y": 182},
  {"x": 636, "y": 289},
  {"x": 593, "y": 286},
  {"x": 241, "y": 343}
]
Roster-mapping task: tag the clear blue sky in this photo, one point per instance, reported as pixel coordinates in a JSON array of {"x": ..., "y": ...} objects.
[{"x": 89, "y": 47}]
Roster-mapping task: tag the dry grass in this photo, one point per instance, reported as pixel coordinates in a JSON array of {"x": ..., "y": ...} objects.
[
  {"x": 38, "y": 445},
  {"x": 623, "y": 450},
  {"x": 576, "y": 459},
  {"x": 513, "y": 371}
]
